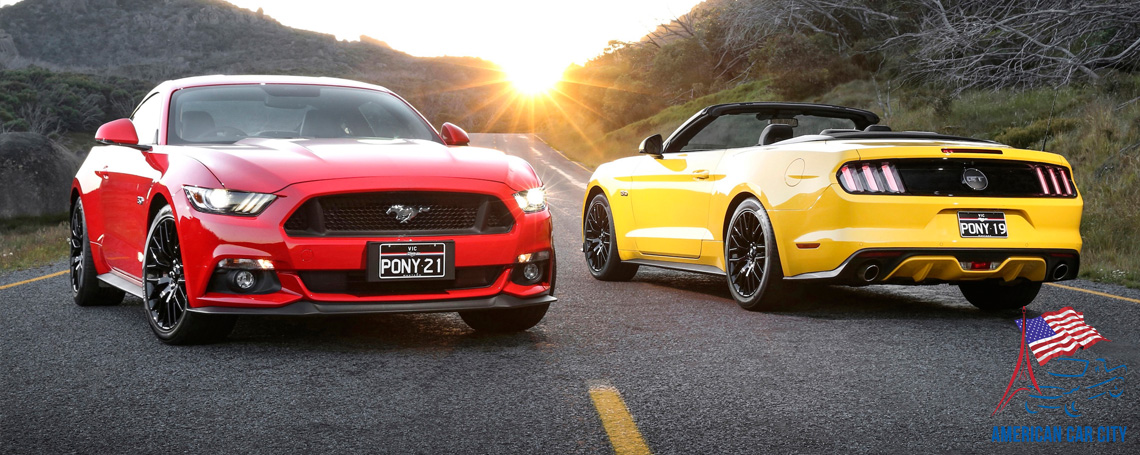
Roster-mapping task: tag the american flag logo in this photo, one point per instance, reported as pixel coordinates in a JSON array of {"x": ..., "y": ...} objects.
[
  {"x": 1058, "y": 333},
  {"x": 1053, "y": 334}
]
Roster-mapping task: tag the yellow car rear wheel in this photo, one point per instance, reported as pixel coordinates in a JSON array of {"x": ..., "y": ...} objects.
[{"x": 752, "y": 264}]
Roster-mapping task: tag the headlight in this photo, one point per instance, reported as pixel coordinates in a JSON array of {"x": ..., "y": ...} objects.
[
  {"x": 226, "y": 202},
  {"x": 532, "y": 200}
]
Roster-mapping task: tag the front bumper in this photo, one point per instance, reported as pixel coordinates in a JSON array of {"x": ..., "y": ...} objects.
[{"x": 208, "y": 239}]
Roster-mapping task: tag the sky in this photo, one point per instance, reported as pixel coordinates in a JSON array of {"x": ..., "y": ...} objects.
[{"x": 513, "y": 33}]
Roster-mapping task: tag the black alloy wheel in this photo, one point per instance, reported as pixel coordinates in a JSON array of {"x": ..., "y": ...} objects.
[
  {"x": 86, "y": 289},
  {"x": 76, "y": 242},
  {"x": 166, "y": 299},
  {"x": 600, "y": 245},
  {"x": 164, "y": 290},
  {"x": 751, "y": 261}
]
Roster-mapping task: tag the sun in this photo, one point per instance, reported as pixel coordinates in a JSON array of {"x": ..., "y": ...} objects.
[{"x": 531, "y": 79}]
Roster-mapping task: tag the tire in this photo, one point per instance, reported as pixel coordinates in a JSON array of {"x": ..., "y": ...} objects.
[
  {"x": 600, "y": 245},
  {"x": 165, "y": 300},
  {"x": 752, "y": 263},
  {"x": 505, "y": 320},
  {"x": 994, "y": 295},
  {"x": 86, "y": 289}
]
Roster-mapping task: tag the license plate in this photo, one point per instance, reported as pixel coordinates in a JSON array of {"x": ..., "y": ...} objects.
[
  {"x": 411, "y": 261},
  {"x": 982, "y": 224}
]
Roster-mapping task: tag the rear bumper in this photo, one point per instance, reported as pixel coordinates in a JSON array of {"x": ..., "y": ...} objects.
[
  {"x": 840, "y": 226},
  {"x": 944, "y": 265},
  {"x": 305, "y": 307}
]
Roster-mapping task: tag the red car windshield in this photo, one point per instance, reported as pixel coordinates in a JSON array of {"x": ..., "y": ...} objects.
[{"x": 228, "y": 113}]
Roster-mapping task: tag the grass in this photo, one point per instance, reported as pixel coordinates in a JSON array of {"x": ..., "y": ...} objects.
[
  {"x": 1097, "y": 128},
  {"x": 32, "y": 242}
]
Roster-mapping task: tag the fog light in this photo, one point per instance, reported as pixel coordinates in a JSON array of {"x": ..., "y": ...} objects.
[
  {"x": 244, "y": 280},
  {"x": 531, "y": 271}
]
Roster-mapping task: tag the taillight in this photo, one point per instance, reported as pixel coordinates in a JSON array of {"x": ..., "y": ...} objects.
[
  {"x": 1054, "y": 180},
  {"x": 870, "y": 177}
]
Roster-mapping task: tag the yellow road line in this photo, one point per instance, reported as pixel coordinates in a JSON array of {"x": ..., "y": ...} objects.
[
  {"x": 619, "y": 424},
  {"x": 1102, "y": 294},
  {"x": 52, "y": 275}
]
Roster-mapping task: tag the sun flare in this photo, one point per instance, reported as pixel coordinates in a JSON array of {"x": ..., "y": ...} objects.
[{"x": 533, "y": 79}]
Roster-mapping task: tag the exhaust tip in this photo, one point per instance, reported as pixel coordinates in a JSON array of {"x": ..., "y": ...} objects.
[
  {"x": 1060, "y": 271},
  {"x": 869, "y": 272}
]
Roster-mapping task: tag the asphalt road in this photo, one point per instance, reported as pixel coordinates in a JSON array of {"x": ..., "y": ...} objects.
[{"x": 882, "y": 369}]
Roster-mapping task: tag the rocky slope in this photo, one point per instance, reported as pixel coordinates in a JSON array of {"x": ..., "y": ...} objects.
[
  {"x": 35, "y": 175},
  {"x": 155, "y": 40}
]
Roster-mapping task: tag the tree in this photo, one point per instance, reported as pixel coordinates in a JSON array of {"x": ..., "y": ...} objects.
[{"x": 999, "y": 44}]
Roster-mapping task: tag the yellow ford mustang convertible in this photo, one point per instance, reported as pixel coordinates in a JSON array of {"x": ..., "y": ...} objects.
[{"x": 775, "y": 194}]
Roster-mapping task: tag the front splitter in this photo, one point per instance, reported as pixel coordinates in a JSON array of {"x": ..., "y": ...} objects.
[{"x": 305, "y": 307}]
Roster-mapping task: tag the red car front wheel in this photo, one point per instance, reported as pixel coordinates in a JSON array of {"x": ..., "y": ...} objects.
[{"x": 164, "y": 289}]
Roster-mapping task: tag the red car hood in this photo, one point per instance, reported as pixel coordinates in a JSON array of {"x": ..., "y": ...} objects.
[{"x": 268, "y": 165}]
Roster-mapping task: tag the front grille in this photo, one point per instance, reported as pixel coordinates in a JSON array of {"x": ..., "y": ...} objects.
[
  {"x": 945, "y": 177},
  {"x": 354, "y": 282},
  {"x": 376, "y": 214}
]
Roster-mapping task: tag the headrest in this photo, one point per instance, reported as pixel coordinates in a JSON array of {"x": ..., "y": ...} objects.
[{"x": 775, "y": 133}]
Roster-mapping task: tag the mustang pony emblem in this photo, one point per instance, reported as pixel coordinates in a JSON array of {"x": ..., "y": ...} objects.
[{"x": 405, "y": 213}]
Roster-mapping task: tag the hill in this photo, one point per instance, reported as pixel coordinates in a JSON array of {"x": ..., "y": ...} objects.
[{"x": 157, "y": 40}]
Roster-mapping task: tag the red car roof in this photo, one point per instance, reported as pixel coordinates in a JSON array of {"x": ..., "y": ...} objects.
[{"x": 219, "y": 79}]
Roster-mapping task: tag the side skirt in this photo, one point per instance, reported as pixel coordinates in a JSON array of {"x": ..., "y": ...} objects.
[
  {"x": 117, "y": 281},
  {"x": 705, "y": 269}
]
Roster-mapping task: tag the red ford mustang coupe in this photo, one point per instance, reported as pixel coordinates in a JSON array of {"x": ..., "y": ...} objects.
[{"x": 251, "y": 195}]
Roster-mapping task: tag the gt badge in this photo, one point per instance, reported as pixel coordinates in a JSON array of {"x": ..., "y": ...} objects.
[
  {"x": 975, "y": 179},
  {"x": 405, "y": 213}
]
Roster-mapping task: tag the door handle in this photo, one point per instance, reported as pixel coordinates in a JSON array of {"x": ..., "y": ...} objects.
[
  {"x": 103, "y": 173},
  {"x": 700, "y": 174}
]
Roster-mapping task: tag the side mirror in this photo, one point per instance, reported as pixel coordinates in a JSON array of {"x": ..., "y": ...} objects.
[
  {"x": 119, "y": 132},
  {"x": 652, "y": 145},
  {"x": 453, "y": 135}
]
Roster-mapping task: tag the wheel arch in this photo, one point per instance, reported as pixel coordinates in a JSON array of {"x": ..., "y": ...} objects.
[
  {"x": 742, "y": 195},
  {"x": 156, "y": 203},
  {"x": 594, "y": 191},
  {"x": 71, "y": 199}
]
